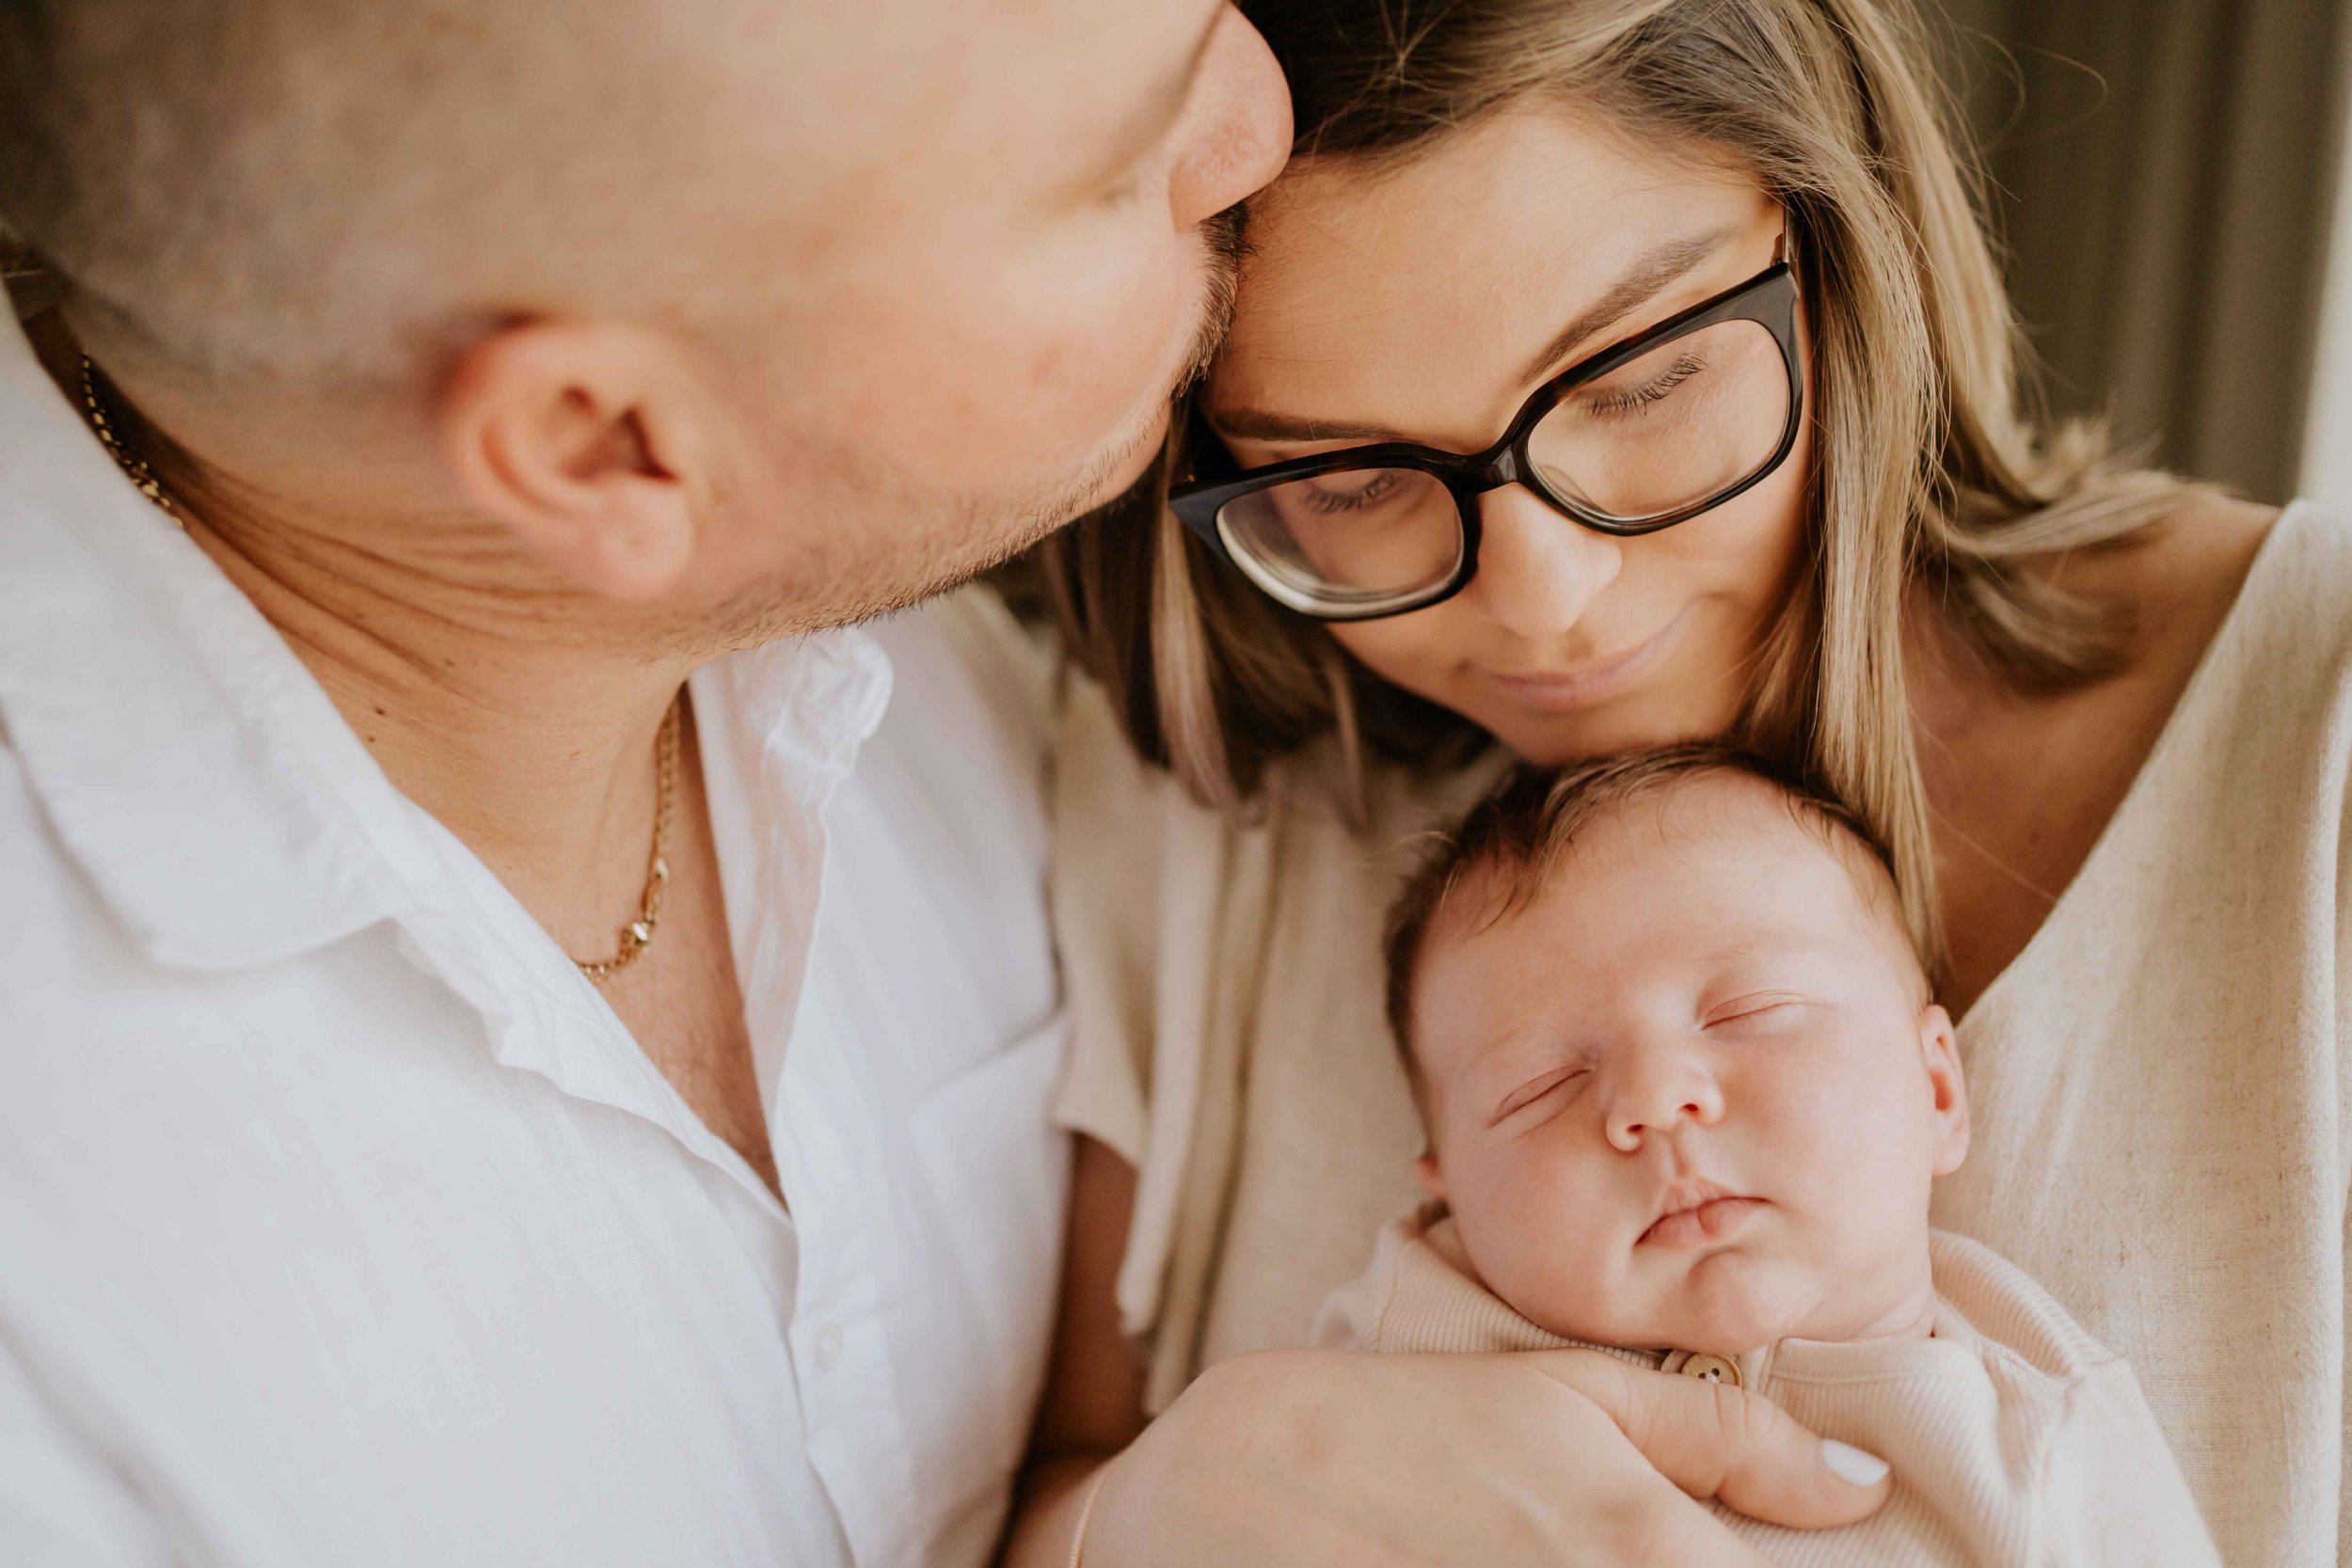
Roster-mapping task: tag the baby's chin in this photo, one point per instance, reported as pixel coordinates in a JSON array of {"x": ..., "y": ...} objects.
[{"x": 1725, "y": 1303}]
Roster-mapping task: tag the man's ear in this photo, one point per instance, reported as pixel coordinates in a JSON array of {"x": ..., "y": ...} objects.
[
  {"x": 1939, "y": 1046},
  {"x": 562, "y": 431},
  {"x": 1432, "y": 1178}
]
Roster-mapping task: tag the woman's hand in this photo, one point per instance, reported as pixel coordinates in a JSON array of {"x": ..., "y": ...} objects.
[
  {"x": 1563, "y": 1459},
  {"x": 1559, "y": 1458}
]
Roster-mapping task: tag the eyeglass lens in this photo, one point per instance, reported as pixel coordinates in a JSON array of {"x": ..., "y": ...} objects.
[{"x": 1673, "y": 428}]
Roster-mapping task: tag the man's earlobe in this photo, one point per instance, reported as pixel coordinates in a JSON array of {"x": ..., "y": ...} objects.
[{"x": 559, "y": 432}]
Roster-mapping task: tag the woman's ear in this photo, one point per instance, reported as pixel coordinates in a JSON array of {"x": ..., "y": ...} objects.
[
  {"x": 565, "y": 432},
  {"x": 1940, "y": 1048}
]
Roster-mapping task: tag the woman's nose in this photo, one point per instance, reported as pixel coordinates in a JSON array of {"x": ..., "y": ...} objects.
[
  {"x": 1537, "y": 570},
  {"x": 1659, "y": 1091},
  {"x": 1237, "y": 133}
]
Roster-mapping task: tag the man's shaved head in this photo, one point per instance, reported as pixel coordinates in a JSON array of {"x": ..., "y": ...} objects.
[
  {"x": 837, "y": 302},
  {"x": 317, "y": 188}
]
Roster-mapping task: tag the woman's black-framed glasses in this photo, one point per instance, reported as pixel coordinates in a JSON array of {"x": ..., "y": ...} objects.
[{"x": 1638, "y": 437}]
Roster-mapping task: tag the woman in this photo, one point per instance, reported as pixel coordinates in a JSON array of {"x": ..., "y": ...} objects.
[{"x": 1699, "y": 286}]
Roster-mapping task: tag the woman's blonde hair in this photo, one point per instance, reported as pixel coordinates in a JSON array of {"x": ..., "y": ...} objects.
[{"x": 1925, "y": 474}]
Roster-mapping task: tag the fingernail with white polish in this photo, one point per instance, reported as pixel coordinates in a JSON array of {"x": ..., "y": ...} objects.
[{"x": 1849, "y": 1464}]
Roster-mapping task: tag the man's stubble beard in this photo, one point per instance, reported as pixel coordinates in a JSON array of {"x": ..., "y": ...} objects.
[{"x": 971, "y": 534}]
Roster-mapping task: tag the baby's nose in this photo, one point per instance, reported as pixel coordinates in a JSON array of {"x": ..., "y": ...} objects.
[{"x": 1659, "y": 1095}]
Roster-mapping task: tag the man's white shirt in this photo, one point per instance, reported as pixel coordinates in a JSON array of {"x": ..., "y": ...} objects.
[{"x": 340, "y": 1219}]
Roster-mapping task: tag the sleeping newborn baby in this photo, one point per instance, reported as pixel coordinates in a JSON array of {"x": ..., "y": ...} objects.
[{"x": 1686, "y": 1093}]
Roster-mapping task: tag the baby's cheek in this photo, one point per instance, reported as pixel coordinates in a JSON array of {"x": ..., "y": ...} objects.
[
  {"x": 1852, "y": 1154},
  {"x": 1541, "y": 1226}
]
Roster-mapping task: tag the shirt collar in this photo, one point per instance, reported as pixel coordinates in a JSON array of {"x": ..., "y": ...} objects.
[
  {"x": 183, "y": 756},
  {"x": 189, "y": 763}
]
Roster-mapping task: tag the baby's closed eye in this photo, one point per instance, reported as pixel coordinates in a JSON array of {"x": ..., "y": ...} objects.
[
  {"x": 1760, "y": 1013},
  {"x": 1543, "y": 1087}
]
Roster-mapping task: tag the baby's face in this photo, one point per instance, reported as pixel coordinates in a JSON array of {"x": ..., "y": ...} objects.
[{"x": 1692, "y": 1095}]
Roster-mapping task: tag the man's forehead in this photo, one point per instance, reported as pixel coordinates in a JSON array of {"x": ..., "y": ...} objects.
[
  {"x": 1033, "y": 69},
  {"x": 929, "y": 118}
]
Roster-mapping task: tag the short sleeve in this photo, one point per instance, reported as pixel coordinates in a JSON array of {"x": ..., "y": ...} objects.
[
  {"x": 1104, "y": 868},
  {"x": 1161, "y": 908}
]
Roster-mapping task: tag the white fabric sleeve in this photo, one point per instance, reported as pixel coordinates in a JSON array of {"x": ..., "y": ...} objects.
[
  {"x": 1104, "y": 902},
  {"x": 61, "y": 1505},
  {"x": 2112, "y": 1495},
  {"x": 1350, "y": 1317}
]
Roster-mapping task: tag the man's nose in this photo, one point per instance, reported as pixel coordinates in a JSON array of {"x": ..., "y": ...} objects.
[
  {"x": 1537, "y": 570},
  {"x": 1237, "y": 130},
  {"x": 1657, "y": 1091}
]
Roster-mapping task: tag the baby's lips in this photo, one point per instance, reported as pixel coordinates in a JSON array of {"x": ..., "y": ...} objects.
[{"x": 1712, "y": 1220}]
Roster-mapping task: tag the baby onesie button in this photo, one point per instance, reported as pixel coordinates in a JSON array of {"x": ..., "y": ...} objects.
[{"x": 1698, "y": 1364}]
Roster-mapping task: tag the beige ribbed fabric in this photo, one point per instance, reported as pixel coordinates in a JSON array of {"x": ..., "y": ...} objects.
[
  {"x": 2015, "y": 1437},
  {"x": 2161, "y": 1116}
]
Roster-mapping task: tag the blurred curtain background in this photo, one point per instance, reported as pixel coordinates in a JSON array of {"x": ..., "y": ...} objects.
[{"x": 2165, "y": 177}]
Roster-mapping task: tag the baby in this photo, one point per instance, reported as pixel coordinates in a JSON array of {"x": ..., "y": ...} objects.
[{"x": 1686, "y": 1093}]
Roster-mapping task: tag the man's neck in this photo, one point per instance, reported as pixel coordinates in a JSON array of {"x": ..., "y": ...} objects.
[
  {"x": 527, "y": 728},
  {"x": 522, "y": 715}
]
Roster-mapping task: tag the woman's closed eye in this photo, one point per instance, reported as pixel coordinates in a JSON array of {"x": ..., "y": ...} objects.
[
  {"x": 1631, "y": 402},
  {"x": 1332, "y": 499},
  {"x": 1541, "y": 1088}
]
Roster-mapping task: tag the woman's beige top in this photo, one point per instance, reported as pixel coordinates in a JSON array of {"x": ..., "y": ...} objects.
[
  {"x": 2017, "y": 1440},
  {"x": 2161, "y": 1113}
]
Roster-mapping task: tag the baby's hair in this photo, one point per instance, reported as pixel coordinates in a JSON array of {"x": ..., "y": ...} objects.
[{"x": 1522, "y": 832}]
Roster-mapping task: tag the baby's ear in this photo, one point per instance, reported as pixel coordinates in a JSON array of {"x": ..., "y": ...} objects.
[
  {"x": 1432, "y": 1179},
  {"x": 1940, "y": 1049}
]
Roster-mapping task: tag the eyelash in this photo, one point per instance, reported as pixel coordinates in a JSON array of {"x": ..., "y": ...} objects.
[
  {"x": 1334, "y": 503},
  {"x": 1525, "y": 1095},
  {"x": 1635, "y": 399},
  {"x": 1754, "y": 1007}
]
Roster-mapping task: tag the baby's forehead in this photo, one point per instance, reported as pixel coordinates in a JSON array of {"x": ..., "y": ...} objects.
[{"x": 1775, "y": 859}]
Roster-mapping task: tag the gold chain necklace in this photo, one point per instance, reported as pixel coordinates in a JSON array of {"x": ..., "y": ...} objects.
[
  {"x": 638, "y": 934},
  {"x": 133, "y": 467}
]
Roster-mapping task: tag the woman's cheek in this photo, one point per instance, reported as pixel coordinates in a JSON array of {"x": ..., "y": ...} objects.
[{"x": 1421, "y": 652}]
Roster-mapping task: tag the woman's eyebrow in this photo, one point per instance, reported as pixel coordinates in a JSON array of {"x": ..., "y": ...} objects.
[
  {"x": 1640, "y": 283},
  {"x": 1258, "y": 425}
]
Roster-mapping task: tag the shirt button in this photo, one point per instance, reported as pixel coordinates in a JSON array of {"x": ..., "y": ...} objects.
[
  {"x": 828, "y": 1350},
  {"x": 1695, "y": 1364}
]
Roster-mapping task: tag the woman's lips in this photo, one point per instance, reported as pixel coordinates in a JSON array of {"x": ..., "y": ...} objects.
[
  {"x": 1712, "y": 1221},
  {"x": 1588, "y": 685}
]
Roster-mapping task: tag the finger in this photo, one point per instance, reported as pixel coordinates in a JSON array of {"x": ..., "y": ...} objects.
[
  {"x": 1717, "y": 1441},
  {"x": 1673, "y": 1529}
]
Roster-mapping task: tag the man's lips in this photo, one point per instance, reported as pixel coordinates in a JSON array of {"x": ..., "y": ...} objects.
[{"x": 1695, "y": 1224}]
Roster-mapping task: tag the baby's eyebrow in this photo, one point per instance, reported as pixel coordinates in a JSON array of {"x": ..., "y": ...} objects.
[{"x": 1763, "y": 944}]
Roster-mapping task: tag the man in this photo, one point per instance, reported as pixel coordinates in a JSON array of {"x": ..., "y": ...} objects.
[{"x": 469, "y": 1091}]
